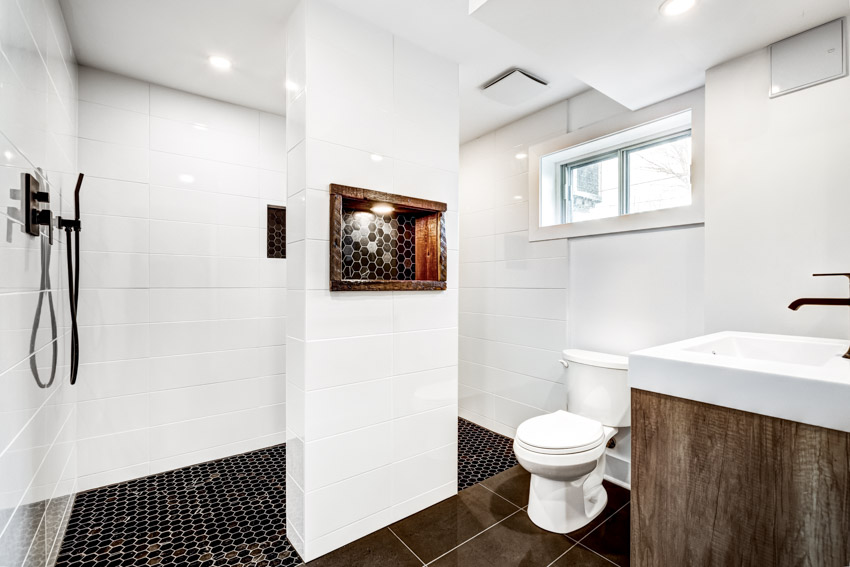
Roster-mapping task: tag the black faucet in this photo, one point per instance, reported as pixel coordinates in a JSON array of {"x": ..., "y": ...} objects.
[{"x": 822, "y": 301}]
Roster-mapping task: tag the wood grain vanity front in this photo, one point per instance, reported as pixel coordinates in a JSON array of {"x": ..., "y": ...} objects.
[{"x": 713, "y": 486}]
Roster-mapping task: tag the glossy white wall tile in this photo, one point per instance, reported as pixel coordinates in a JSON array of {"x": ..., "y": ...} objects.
[
  {"x": 371, "y": 371},
  {"x": 522, "y": 302},
  {"x": 184, "y": 316},
  {"x": 38, "y": 423}
]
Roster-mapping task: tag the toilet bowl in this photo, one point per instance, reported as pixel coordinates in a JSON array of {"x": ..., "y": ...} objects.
[
  {"x": 565, "y": 455},
  {"x": 565, "y": 450}
]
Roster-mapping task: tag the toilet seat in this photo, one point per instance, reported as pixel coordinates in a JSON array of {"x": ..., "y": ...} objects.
[{"x": 560, "y": 433}]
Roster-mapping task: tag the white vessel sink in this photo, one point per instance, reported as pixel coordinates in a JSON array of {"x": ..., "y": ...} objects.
[{"x": 802, "y": 379}]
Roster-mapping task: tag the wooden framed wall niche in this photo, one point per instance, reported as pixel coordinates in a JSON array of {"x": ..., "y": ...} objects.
[{"x": 385, "y": 242}]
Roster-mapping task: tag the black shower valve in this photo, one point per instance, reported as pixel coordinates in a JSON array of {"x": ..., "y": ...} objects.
[{"x": 43, "y": 218}]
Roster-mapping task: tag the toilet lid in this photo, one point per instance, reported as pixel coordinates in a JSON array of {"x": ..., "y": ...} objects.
[{"x": 560, "y": 432}]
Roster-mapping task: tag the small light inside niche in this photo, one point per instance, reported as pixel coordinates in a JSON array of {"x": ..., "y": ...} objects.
[
  {"x": 186, "y": 178},
  {"x": 377, "y": 157},
  {"x": 8, "y": 155},
  {"x": 382, "y": 208},
  {"x": 521, "y": 155},
  {"x": 676, "y": 7},
  {"x": 517, "y": 197},
  {"x": 220, "y": 62}
]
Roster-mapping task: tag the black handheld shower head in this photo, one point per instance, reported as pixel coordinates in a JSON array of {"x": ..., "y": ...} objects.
[{"x": 72, "y": 231}]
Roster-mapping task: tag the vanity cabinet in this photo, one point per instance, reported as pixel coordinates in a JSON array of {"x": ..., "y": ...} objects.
[{"x": 713, "y": 486}]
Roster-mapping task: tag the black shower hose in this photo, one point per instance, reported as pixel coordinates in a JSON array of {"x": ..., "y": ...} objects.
[{"x": 44, "y": 290}]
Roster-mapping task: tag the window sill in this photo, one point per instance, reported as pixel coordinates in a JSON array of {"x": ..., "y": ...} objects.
[{"x": 665, "y": 218}]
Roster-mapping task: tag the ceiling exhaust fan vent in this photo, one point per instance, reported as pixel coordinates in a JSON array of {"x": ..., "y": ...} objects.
[{"x": 514, "y": 87}]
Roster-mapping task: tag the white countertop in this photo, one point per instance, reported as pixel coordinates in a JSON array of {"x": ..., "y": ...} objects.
[{"x": 801, "y": 379}]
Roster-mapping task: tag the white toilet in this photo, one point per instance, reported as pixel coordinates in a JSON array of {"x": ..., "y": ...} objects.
[{"x": 565, "y": 451}]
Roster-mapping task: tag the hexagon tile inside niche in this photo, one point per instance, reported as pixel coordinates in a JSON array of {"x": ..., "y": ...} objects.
[{"x": 378, "y": 247}]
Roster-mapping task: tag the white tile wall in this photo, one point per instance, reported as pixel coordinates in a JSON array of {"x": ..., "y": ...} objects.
[
  {"x": 184, "y": 318},
  {"x": 522, "y": 302},
  {"x": 372, "y": 376},
  {"x": 38, "y": 128}
]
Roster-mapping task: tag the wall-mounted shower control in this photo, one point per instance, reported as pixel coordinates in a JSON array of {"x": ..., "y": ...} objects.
[{"x": 33, "y": 201}]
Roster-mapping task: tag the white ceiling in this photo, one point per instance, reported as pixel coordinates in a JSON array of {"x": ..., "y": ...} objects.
[
  {"x": 168, "y": 42},
  {"x": 444, "y": 27},
  {"x": 623, "y": 48},
  {"x": 636, "y": 56}
]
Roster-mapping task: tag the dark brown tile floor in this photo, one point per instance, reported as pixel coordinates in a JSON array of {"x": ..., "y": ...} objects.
[{"x": 487, "y": 525}]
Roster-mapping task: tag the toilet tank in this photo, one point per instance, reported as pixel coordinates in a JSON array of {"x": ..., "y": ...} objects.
[{"x": 598, "y": 387}]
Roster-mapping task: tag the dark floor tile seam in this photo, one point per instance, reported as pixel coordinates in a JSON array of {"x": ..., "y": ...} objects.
[
  {"x": 500, "y": 496},
  {"x": 584, "y": 537},
  {"x": 405, "y": 545},
  {"x": 573, "y": 546},
  {"x": 597, "y": 554},
  {"x": 475, "y": 536}
]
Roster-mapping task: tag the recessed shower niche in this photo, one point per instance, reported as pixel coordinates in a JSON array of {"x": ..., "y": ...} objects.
[{"x": 381, "y": 241}]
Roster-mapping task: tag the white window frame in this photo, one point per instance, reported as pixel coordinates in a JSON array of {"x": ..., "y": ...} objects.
[{"x": 609, "y": 136}]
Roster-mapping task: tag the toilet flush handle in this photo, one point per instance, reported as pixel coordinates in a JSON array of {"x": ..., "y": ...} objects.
[{"x": 565, "y": 363}]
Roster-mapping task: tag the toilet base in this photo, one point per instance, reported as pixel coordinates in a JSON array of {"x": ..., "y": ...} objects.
[{"x": 564, "y": 506}]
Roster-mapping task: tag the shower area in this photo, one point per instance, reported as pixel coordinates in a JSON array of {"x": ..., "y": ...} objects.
[
  {"x": 173, "y": 358},
  {"x": 143, "y": 258}
]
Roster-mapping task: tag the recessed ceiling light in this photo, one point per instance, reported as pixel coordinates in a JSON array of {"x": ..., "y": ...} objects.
[
  {"x": 382, "y": 208},
  {"x": 8, "y": 155},
  {"x": 676, "y": 7},
  {"x": 186, "y": 178},
  {"x": 220, "y": 62},
  {"x": 377, "y": 157},
  {"x": 521, "y": 155}
]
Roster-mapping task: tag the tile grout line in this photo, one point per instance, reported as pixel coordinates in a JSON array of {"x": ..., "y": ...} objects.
[
  {"x": 573, "y": 546},
  {"x": 617, "y": 511},
  {"x": 593, "y": 552},
  {"x": 473, "y": 537},
  {"x": 405, "y": 545},
  {"x": 500, "y": 496}
]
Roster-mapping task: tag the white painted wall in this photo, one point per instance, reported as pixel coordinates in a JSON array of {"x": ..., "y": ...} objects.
[
  {"x": 182, "y": 315},
  {"x": 522, "y": 302},
  {"x": 371, "y": 376},
  {"x": 777, "y": 201},
  {"x": 38, "y": 126}
]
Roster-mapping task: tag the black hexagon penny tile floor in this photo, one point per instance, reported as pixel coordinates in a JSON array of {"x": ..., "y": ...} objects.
[
  {"x": 481, "y": 454},
  {"x": 226, "y": 512}
]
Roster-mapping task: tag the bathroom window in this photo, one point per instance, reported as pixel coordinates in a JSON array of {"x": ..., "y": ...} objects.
[
  {"x": 639, "y": 170},
  {"x": 647, "y": 176}
]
